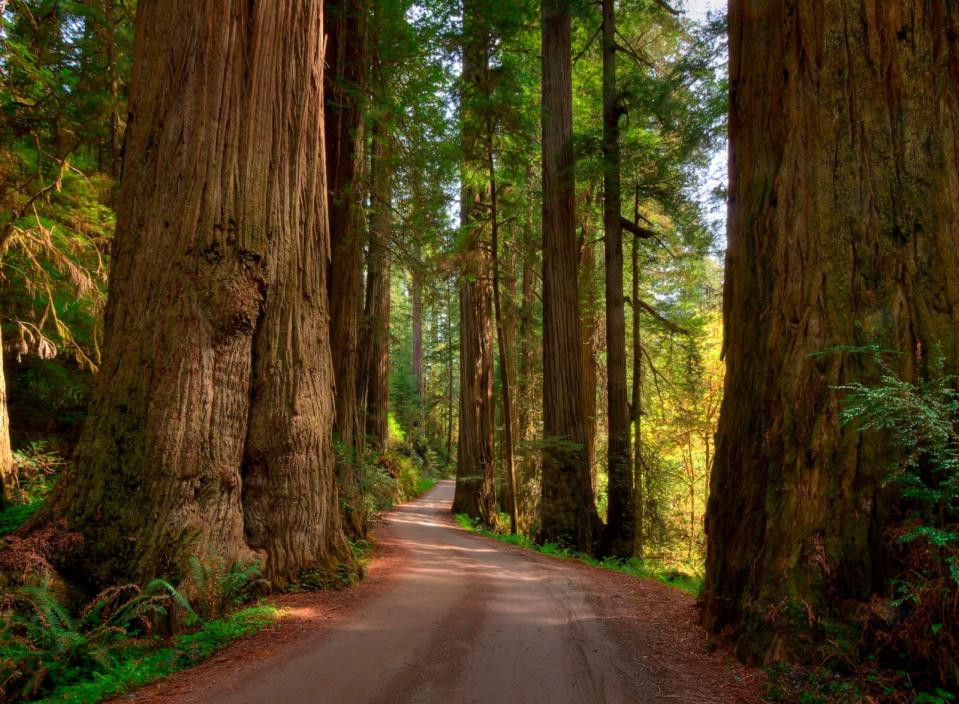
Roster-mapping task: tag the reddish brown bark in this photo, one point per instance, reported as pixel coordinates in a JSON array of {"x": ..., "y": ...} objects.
[
  {"x": 345, "y": 79},
  {"x": 475, "y": 461},
  {"x": 376, "y": 317},
  {"x": 209, "y": 432},
  {"x": 843, "y": 219},
  {"x": 567, "y": 510}
]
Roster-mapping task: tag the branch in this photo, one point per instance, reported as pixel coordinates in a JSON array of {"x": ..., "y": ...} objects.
[
  {"x": 589, "y": 43},
  {"x": 669, "y": 8},
  {"x": 665, "y": 322},
  {"x": 637, "y": 230}
]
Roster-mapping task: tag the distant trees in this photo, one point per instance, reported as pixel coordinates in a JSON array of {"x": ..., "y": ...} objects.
[{"x": 843, "y": 217}]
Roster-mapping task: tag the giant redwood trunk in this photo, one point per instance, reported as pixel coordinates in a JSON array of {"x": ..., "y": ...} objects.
[
  {"x": 377, "y": 310},
  {"x": 346, "y": 59},
  {"x": 843, "y": 224},
  {"x": 567, "y": 509},
  {"x": 475, "y": 458},
  {"x": 209, "y": 433}
]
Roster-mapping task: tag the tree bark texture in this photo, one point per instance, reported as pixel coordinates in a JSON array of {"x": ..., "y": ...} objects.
[
  {"x": 345, "y": 83},
  {"x": 475, "y": 459},
  {"x": 843, "y": 223},
  {"x": 567, "y": 509},
  {"x": 377, "y": 311},
  {"x": 209, "y": 434},
  {"x": 620, "y": 514}
]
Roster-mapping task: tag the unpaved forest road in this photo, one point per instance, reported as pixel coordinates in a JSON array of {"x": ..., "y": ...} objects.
[{"x": 458, "y": 618}]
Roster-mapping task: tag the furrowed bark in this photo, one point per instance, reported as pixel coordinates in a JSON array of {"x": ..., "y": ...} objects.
[
  {"x": 209, "y": 432},
  {"x": 475, "y": 461},
  {"x": 843, "y": 219},
  {"x": 345, "y": 83},
  {"x": 567, "y": 510}
]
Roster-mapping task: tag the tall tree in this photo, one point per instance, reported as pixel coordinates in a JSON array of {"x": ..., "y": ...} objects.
[
  {"x": 209, "y": 433},
  {"x": 567, "y": 509},
  {"x": 377, "y": 310},
  {"x": 346, "y": 58},
  {"x": 843, "y": 218},
  {"x": 502, "y": 339},
  {"x": 8, "y": 473},
  {"x": 619, "y": 522},
  {"x": 475, "y": 460}
]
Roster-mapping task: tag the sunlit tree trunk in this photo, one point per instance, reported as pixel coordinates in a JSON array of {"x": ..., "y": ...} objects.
[
  {"x": 209, "y": 434},
  {"x": 567, "y": 510},
  {"x": 8, "y": 474},
  {"x": 843, "y": 223}
]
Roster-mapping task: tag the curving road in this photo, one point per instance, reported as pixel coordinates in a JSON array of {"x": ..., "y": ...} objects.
[{"x": 468, "y": 619}]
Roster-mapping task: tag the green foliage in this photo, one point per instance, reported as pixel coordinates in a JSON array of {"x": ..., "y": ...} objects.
[
  {"x": 36, "y": 468},
  {"x": 135, "y": 668},
  {"x": 645, "y": 569},
  {"x": 220, "y": 590},
  {"x": 109, "y": 647},
  {"x": 920, "y": 420},
  {"x": 43, "y": 646}
]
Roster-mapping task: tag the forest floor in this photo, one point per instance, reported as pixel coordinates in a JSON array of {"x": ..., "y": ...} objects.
[{"x": 444, "y": 615}]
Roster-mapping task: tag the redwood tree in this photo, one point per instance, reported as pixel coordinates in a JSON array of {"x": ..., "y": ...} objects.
[
  {"x": 567, "y": 509},
  {"x": 620, "y": 528},
  {"x": 209, "y": 434},
  {"x": 376, "y": 316},
  {"x": 346, "y": 59},
  {"x": 843, "y": 223},
  {"x": 475, "y": 459}
]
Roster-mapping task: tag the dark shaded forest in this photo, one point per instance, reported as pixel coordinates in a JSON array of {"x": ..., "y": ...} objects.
[{"x": 268, "y": 270}]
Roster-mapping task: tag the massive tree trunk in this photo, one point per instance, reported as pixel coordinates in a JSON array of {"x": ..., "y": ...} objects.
[
  {"x": 377, "y": 311},
  {"x": 567, "y": 510},
  {"x": 475, "y": 460},
  {"x": 619, "y": 522},
  {"x": 209, "y": 434},
  {"x": 843, "y": 221},
  {"x": 346, "y": 59}
]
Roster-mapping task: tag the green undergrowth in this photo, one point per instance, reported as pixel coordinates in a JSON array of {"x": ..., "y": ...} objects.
[
  {"x": 139, "y": 665},
  {"x": 36, "y": 470},
  {"x": 635, "y": 567}
]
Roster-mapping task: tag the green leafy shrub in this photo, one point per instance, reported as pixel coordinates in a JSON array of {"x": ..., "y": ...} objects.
[
  {"x": 220, "y": 590},
  {"x": 36, "y": 470},
  {"x": 43, "y": 646},
  {"x": 921, "y": 633}
]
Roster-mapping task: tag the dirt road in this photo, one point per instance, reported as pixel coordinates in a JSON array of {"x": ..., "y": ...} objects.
[{"x": 458, "y": 618}]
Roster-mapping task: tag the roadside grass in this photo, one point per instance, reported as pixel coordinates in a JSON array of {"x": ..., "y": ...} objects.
[{"x": 634, "y": 567}]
